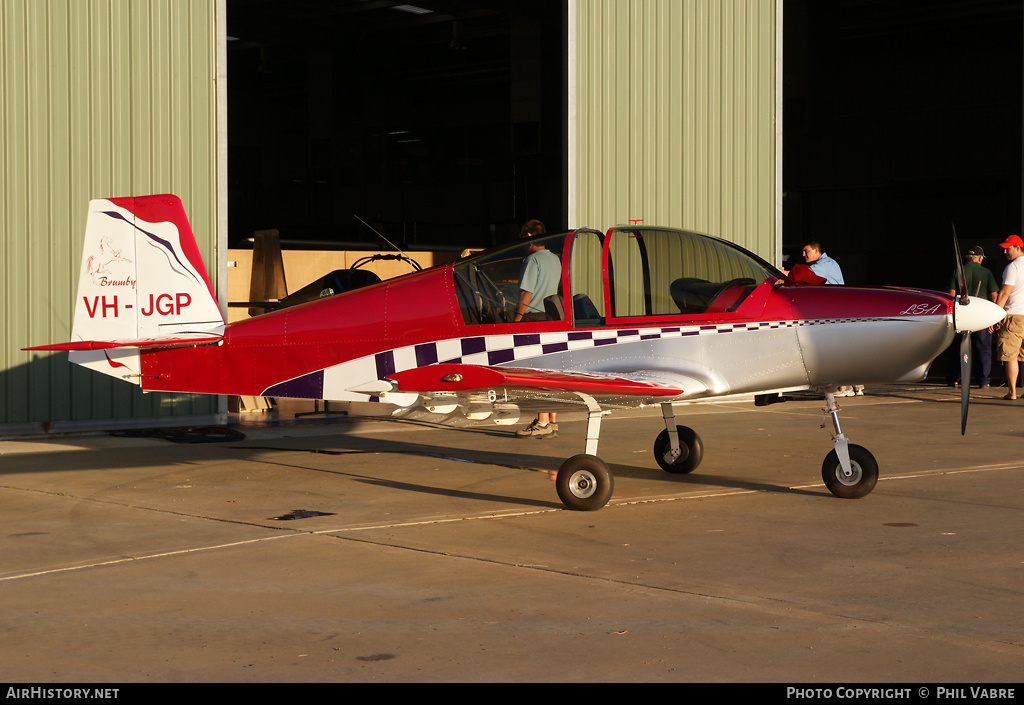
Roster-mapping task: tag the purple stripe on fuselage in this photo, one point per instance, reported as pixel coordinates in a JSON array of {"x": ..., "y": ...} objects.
[{"x": 309, "y": 386}]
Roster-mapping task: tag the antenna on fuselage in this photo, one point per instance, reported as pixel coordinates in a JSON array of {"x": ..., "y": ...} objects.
[{"x": 378, "y": 234}]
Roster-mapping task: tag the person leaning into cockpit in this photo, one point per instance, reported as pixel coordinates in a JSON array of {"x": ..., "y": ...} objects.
[{"x": 538, "y": 277}]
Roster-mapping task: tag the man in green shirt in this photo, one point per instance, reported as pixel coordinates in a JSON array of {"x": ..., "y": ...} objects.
[{"x": 980, "y": 283}]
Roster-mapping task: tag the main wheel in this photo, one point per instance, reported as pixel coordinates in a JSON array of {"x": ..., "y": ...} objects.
[
  {"x": 584, "y": 483},
  {"x": 691, "y": 449},
  {"x": 860, "y": 483}
]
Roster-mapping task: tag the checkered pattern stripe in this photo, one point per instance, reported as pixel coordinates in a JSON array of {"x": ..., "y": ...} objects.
[
  {"x": 503, "y": 349},
  {"x": 493, "y": 350}
]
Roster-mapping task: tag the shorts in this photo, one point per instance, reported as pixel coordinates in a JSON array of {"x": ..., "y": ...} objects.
[{"x": 1010, "y": 344}]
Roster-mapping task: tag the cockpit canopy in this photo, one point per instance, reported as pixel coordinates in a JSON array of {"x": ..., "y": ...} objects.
[{"x": 627, "y": 272}]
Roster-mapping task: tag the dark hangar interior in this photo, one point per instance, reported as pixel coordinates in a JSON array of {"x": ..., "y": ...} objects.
[{"x": 445, "y": 129}]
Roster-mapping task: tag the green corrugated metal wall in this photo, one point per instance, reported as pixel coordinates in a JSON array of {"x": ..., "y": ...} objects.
[
  {"x": 98, "y": 98},
  {"x": 672, "y": 121},
  {"x": 674, "y": 114}
]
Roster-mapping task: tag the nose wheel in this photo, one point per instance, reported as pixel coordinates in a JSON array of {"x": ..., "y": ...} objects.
[
  {"x": 849, "y": 470},
  {"x": 685, "y": 456},
  {"x": 677, "y": 449},
  {"x": 856, "y": 483}
]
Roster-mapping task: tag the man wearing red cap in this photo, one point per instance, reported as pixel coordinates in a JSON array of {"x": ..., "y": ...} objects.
[{"x": 1011, "y": 298}]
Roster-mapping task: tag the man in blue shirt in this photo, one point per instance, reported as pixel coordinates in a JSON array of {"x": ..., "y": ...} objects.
[
  {"x": 821, "y": 264},
  {"x": 824, "y": 266},
  {"x": 539, "y": 277}
]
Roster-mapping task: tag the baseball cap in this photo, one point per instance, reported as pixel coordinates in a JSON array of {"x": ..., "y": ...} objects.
[
  {"x": 532, "y": 228},
  {"x": 976, "y": 252},
  {"x": 1012, "y": 241}
]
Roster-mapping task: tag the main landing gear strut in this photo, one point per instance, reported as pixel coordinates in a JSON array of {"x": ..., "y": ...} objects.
[{"x": 585, "y": 483}]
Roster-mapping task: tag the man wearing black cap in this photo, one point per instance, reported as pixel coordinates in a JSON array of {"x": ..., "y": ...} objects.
[
  {"x": 1011, "y": 298},
  {"x": 980, "y": 282}
]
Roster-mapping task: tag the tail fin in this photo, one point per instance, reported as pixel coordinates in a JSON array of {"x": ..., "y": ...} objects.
[{"x": 142, "y": 284}]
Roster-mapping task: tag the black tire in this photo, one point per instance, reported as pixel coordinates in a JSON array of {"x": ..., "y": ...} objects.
[
  {"x": 690, "y": 445},
  {"x": 865, "y": 474},
  {"x": 584, "y": 483}
]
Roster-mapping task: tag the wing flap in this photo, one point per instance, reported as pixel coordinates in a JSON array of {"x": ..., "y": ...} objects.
[{"x": 456, "y": 377}]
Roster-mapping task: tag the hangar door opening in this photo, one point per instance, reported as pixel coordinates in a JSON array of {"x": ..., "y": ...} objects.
[
  {"x": 899, "y": 119},
  {"x": 439, "y": 125}
]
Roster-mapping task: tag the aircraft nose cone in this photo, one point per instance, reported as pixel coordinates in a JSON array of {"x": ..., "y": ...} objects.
[{"x": 977, "y": 314}]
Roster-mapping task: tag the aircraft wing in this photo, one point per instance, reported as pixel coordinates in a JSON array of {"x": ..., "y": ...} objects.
[{"x": 459, "y": 377}]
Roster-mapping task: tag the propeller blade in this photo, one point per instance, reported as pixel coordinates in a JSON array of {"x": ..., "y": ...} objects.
[
  {"x": 965, "y": 379},
  {"x": 961, "y": 277}
]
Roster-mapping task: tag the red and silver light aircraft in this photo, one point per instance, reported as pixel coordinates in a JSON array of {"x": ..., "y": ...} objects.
[{"x": 643, "y": 315}]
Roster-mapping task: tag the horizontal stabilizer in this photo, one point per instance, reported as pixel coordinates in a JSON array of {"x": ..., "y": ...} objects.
[{"x": 182, "y": 340}]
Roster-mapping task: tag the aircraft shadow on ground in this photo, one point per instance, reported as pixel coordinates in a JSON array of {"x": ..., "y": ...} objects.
[{"x": 349, "y": 444}]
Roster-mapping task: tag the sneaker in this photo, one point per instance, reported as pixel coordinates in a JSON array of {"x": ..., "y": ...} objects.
[{"x": 535, "y": 430}]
